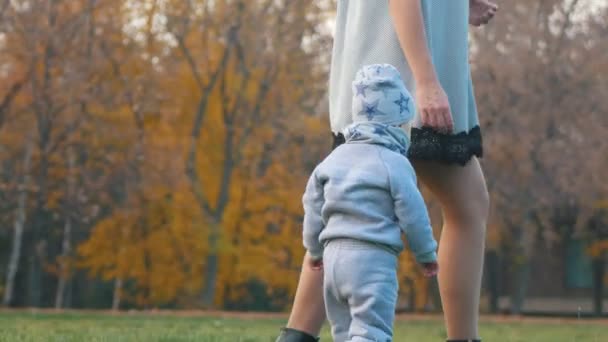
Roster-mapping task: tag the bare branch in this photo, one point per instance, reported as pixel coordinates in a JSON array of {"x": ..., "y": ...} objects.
[
  {"x": 565, "y": 26},
  {"x": 193, "y": 68},
  {"x": 8, "y": 99},
  {"x": 272, "y": 73},
  {"x": 197, "y": 127},
  {"x": 3, "y": 6}
]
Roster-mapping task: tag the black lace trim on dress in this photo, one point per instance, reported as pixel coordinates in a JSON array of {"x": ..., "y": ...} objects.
[{"x": 428, "y": 144}]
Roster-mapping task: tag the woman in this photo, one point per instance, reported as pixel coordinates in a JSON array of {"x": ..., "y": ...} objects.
[{"x": 427, "y": 40}]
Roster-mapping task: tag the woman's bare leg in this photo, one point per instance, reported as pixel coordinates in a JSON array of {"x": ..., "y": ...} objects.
[
  {"x": 308, "y": 312},
  {"x": 463, "y": 196}
]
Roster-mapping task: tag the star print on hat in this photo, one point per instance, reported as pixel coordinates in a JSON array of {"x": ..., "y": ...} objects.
[{"x": 379, "y": 95}]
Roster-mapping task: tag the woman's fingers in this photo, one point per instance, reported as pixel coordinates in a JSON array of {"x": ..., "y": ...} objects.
[
  {"x": 440, "y": 123},
  {"x": 434, "y": 107},
  {"x": 482, "y": 11},
  {"x": 428, "y": 119},
  {"x": 438, "y": 118},
  {"x": 489, "y": 14},
  {"x": 449, "y": 122},
  {"x": 443, "y": 120}
]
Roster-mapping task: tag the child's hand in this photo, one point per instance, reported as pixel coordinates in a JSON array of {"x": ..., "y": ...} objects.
[
  {"x": 430, "y": 269},
  {"x": 316, "y": 264}
]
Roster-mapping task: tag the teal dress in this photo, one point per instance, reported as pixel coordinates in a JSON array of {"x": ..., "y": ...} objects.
[{"x": 365, "y": 34}]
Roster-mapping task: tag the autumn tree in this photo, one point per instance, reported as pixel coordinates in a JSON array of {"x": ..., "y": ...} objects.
[
  {"x": 253, "y": 71},
  {"x": 540, "y": 89},
  {"x": 234, "y": 133},
  {"x": 41, "y": 38}
]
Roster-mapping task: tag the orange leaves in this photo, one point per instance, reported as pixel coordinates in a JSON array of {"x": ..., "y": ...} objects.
[
  {"x": 412, "y": 284},
  {"x": 102, "y": 253},
  {"x": 127, "y": 96},
  {"x": 157, "y": 245},
  {"x": 598, "y": 248}
]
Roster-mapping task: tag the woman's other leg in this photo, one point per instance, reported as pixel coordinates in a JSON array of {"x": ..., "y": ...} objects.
[
  {"x": 464, "y": 200},
  {"x": 308, "y": 311}
]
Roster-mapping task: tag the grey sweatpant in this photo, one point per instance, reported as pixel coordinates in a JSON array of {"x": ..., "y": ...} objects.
[{"x": 360, "y": 289}]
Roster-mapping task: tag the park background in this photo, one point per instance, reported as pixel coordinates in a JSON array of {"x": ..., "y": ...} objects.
[{"x": 153, "y": 154}]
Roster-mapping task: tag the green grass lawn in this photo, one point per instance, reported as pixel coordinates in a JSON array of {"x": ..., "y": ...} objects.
[{"x": 23, "y": 326}]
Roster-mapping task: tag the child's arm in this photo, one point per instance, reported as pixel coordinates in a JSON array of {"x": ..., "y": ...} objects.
[
  {"x": 313, "y": 201},
  {"x": 413, "y": 215}
]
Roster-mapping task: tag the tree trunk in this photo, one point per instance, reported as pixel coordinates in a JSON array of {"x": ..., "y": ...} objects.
[
  {"x": 520, "y": 287},
  {"x": 118, "y": 280},
  {"x": 63, "y": 267},
  {"x": 599, "y": 270},
  {"x": 13, "y": 264},
  {"x": 526, "y": 239},
  {"x": 412, "y": 296},
  {"x": 215, "y": 228},
  {"x": 117, "y": 294},
  {"x": 436, "y": 295},
  {"x": 45, "y": 110},
  {"x": 211, "y": 267},
  {"x": 492, "y": 281},
  {"x": 69, "y": 293},
  {"x": 66, "y": 245},
  {"x": 40, "y": 220}
]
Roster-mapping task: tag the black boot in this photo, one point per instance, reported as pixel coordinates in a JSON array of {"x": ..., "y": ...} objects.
[{"x": 293, "y": 335}]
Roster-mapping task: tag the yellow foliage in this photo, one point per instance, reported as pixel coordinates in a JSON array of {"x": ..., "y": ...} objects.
[
  {"x": 598, "y": 248},
  {"x": 158, "y": 245},
  {"x": 257, "y": 144},
  {"x": 602, "y": 204}
]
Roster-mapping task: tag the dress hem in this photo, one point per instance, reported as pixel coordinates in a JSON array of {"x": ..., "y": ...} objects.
[{"x": 428, "y": 144}]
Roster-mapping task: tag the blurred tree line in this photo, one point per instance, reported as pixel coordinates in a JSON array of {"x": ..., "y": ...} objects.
[{"x": 153, "y": 153}]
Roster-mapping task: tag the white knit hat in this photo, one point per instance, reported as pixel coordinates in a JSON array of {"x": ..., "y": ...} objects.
[{"x": 379, "y": 95}]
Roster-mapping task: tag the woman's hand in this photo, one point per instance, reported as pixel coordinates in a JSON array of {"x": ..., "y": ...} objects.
[
  {"x": 481, "y": 12},
  {"x": 434, "y": 107}
]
